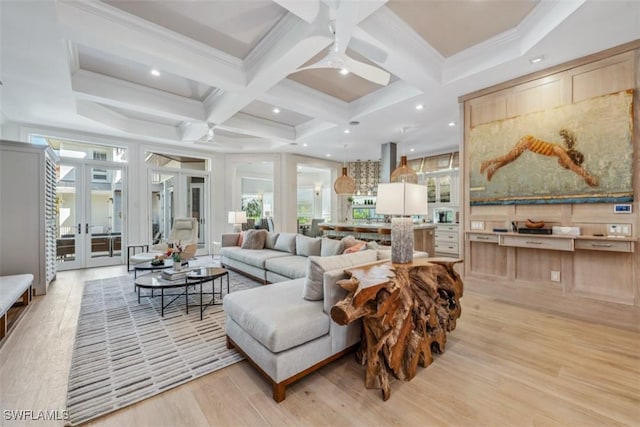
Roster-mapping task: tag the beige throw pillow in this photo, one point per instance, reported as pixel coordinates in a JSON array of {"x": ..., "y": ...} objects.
[
  {"x": 307, "y": 246},
  {"x": 254, "y": 239},
  {"x": 316, "y": 266}
]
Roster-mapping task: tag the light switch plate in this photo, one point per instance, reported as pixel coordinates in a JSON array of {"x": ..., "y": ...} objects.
[{"x": 477, "y": 225}]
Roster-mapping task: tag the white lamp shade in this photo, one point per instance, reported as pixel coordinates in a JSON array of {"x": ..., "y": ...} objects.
[
  {"x": 238, "y": 217},
  {"x": 401, "y": 198}
]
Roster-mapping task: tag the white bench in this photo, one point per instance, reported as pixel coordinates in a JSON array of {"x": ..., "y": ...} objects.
[{"x": 12, "y": 290}]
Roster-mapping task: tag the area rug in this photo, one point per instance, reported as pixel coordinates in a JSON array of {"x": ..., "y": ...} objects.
[{"x": 126, "y": 352}]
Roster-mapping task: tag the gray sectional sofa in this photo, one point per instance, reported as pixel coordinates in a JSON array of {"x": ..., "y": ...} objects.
[
  {"x": 285, "y": 329},
  {"x": 276, "y": 257}
]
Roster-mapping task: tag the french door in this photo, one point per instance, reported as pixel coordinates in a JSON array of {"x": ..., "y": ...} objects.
[
  {"x": 91, "y": 221},
  {"x": 177, "y": 195}
]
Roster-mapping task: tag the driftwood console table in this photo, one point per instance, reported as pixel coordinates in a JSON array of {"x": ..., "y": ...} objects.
[{"x": 406, "y": 310}]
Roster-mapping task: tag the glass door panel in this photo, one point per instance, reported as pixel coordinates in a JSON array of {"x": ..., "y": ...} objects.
[
  {"x": 196, "y": 204},
  {"x": 69, "y": 225},
  {"x": 445, "y": 189},
  {"x": 431, "y": 189},
  {"x": 163, "y": 190},
  {"x": 104, "y": 216}
]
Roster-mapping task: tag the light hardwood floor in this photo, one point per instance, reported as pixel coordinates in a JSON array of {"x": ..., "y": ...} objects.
[{"x": 504, "y": 366}]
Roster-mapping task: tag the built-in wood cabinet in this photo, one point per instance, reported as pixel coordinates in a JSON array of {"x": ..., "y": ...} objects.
[
  {"x": 28, "y": 212},
  {"x": 446, "y": 240},
  {"x": 589, "y": 276}
]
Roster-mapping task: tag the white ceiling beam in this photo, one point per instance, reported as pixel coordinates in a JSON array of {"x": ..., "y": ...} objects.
[
  {"x": 306, "y": 10},
  {"x": 409, "y": 56},
  {"x": 511, "y": 44},
  {"x": 297, "y": 97},
  {"x": 111, "y": 91},
  {"x": 111, "y": 30},
  {"x": 287, "y": 46},
  {"x": 124, "y": 124},
  {"x": 394, "y": 93},
  {"x": 256, "y": 126},
  {"x": 311, "y": 128}
]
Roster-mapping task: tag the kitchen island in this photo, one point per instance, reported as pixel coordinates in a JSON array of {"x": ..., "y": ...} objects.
[{"x": 423, "y": 233}]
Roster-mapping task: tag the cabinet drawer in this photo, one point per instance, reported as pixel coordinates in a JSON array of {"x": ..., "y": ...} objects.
[
  {"x": 447, "y": 247},
  {"x": 537, "y": 243},
  {"x": 446, "y": 236},
  {"x": 604, "y": 245},
  {"x": 451, "y": 227},
  {"x": 486, "y": 238}
]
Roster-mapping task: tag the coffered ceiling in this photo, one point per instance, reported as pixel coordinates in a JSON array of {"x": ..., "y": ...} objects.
[{"x": 232, "y": 66}]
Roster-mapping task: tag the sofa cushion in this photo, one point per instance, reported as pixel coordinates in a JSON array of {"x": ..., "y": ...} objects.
[
  {"x": 313, "y": 289},
  {"x": 276, "y": 316},
  {"x": 253, "y": 257},
  {"x": 254, "y": 239},
  {"x": 286, "y": 243},
  {"x": 307, "y": 246},
  {"x": 330, "y": 247},
  {"x": 292, "y": 266},
  {"x": 270, "y": 241}
]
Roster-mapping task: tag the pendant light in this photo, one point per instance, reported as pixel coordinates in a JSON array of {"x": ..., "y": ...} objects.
[
  {"x": 404, "y": 173},
  {"x": 344, "y": 185}
]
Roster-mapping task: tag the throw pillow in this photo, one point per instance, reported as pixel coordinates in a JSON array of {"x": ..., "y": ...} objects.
[
  {"x": 254, "y": 239},
  {"x": 355, "y": 248},
  {"x": 307, "y": 246},
  {"x": 331, "y": 247},
  {"x": 240, "y": 238},
  {"x": 373, "y": 245},
  {"x": 270, "y": 241},
  {"x": 313, "y": 289},
  {"x": 286, "y": 243}
]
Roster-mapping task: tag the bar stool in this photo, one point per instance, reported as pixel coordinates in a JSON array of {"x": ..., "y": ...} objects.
[
  {"x": 325, "y": 229},
  {"x": 343, "y": 230},
  {"x": 363, "y": 233},
  {"x": 384, "y": 234}
]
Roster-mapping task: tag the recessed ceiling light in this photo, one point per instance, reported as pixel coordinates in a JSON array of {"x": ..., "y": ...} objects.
[
  {"x": 155, "y": 72},
  {"x": 344, "y": 71},
  {"x": 299, "y": 168},
  {"x": 419, "y": 107},
  {"x": 276, "y": 110},
  {"x": 347, "y": 131},
  {"x": 537, "y": 59},
  {"x": 412, "y": 149},
  {"x": 451, "y": 124},
  {"x": 328, "y": 155}
]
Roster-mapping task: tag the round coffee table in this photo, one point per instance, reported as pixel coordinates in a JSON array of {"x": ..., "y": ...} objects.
[
  {"x": 208, "y": 274},
  {"x": 154, "y": 281},
  {"x": 147, "y": 266}
]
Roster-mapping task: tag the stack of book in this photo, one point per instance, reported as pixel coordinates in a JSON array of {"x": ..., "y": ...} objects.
[{"x": 173, "y": 275}]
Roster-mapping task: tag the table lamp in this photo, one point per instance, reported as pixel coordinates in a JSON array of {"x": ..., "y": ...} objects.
[
  {"x": 401, "y": 199},
  {"x": 237, "y": 218}
]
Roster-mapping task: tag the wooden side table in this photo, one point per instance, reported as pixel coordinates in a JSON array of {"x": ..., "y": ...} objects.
[{"x": 406, "y": 309}]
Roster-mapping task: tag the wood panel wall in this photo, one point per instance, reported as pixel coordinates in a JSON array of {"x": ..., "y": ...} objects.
[{"x": 595, "y": 285}]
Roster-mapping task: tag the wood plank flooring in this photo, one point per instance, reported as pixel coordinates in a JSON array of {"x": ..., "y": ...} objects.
[{"x": 504, "y": 365}]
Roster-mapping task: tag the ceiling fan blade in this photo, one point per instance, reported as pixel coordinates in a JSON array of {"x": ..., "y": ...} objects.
[
  {"x": 323, "y": 63},
  {"x": 366, "y": 71}
]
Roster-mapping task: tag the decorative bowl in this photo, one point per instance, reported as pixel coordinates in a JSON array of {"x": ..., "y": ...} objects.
[{"x": 534, "y": 224}]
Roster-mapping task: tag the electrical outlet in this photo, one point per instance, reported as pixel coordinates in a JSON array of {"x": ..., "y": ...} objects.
[
  {"x": 619, "y": 230},
  {"x": 477, "y": 225},
  {"x": 555, "y": 276}
]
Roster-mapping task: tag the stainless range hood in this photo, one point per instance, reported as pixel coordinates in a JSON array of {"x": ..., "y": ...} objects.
[{"x": 388, "y": 158}]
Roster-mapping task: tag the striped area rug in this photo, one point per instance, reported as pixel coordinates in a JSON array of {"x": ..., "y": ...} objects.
[{"x": 126, "y": 352}]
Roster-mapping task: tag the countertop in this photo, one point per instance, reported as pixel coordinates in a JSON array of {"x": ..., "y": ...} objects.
[{"x": 377, "y": 225}]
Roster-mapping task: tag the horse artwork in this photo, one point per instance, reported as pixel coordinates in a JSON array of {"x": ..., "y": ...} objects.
[{"x": 577, "y": 153}]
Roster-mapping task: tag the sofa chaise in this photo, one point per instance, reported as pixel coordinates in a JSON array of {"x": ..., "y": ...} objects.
[{"x": 285, "y": 329}]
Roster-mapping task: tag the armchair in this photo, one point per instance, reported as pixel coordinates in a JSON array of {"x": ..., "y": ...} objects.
[{"x": 184, "y": 230}]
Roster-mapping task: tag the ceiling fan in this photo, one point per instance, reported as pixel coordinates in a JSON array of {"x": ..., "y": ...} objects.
[
  {"x": 208, "y": 137},
  {"x": 342, "y": 28}
]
